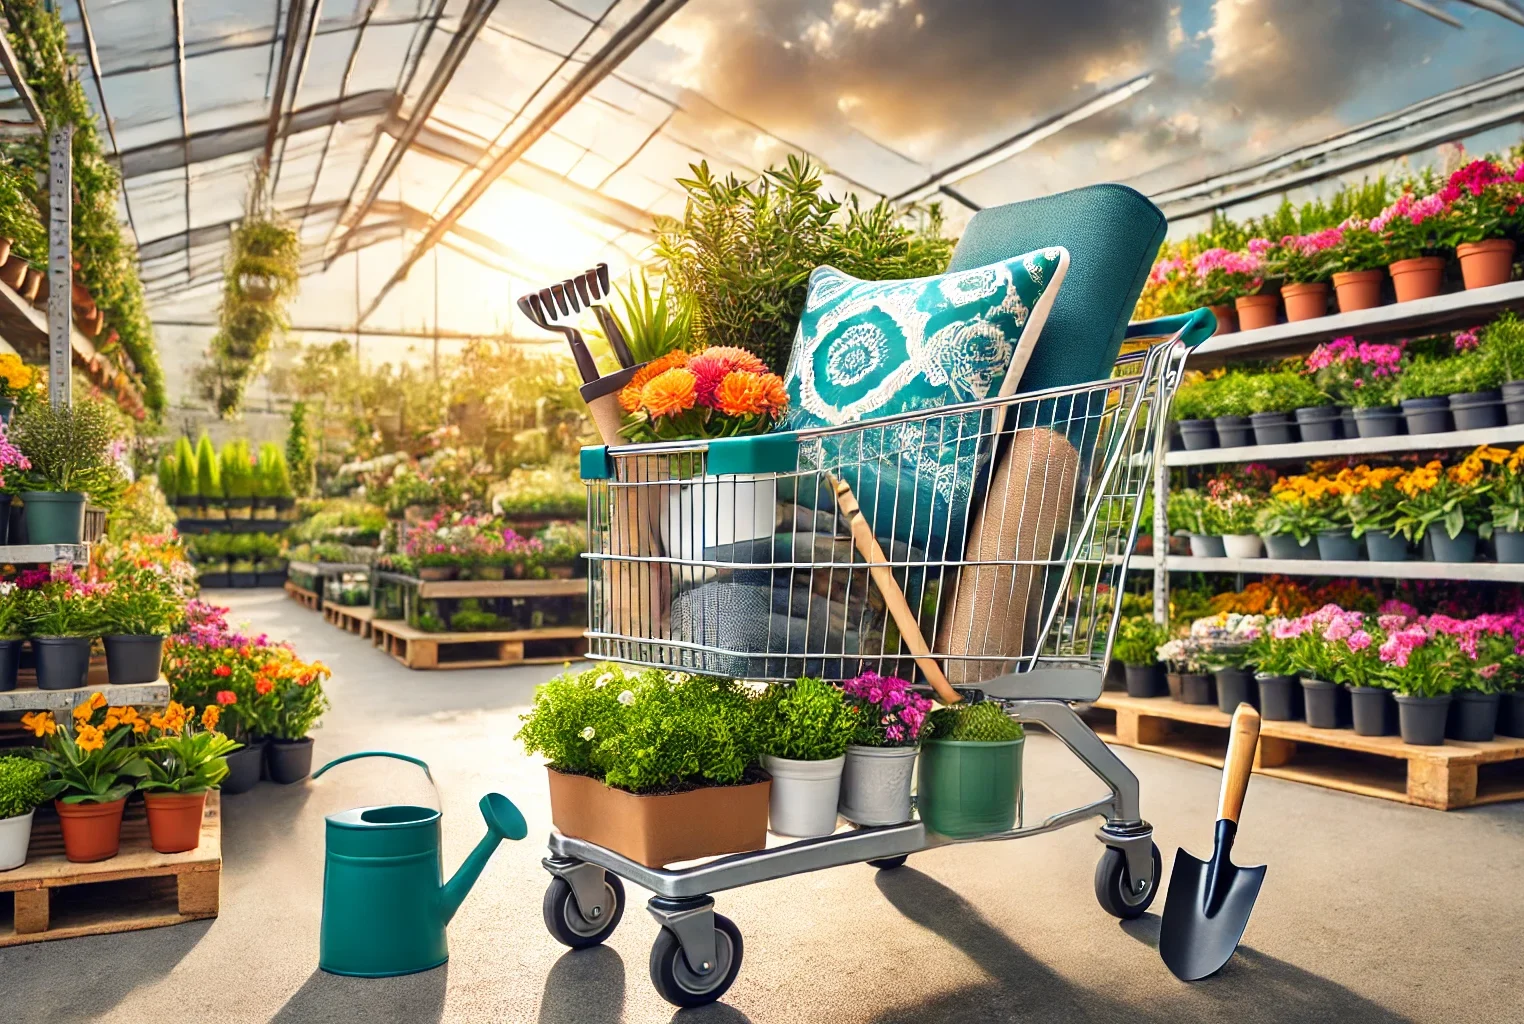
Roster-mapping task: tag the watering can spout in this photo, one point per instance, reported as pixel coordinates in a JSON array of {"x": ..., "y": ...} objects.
[{"x": 503, "y": 822}]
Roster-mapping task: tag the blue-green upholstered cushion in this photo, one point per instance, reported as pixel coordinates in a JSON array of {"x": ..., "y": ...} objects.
[{"x": 1112, "y": 233}]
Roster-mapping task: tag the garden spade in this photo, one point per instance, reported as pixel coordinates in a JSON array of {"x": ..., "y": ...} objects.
[{"x": 1210, "y": 901}]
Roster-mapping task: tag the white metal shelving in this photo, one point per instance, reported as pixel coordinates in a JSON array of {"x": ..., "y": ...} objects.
[
  {"x": 43, "y": 554},
  {"x": 1491, "y": 572},
  {"x": 30, "y": 698},
  {"x": 1302, "y": 450}
]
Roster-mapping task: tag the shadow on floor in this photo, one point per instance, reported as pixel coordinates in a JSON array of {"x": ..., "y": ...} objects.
[
  {"x": 409, "y": 999},
  {"x": 1279, "y": 992},
  {"x": 586, "y": 986}
]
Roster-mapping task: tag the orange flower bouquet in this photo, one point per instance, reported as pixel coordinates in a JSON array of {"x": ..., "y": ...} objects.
[{"x": 719, "y": 392}]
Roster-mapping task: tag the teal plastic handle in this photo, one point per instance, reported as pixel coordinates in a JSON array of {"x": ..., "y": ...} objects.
[
  {"x": 383, "y": 753},
  {"x": 1194, "y": 327}
]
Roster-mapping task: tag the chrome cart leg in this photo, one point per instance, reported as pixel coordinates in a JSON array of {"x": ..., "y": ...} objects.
[{"x": 1059, "y": 719}]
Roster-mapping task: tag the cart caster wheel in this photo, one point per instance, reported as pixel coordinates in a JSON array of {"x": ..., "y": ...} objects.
[
  {"x": 678, "y": 983},
  {"x": 888, "y": 863},
  {"x": 1113, "y": 886},
  {"x": 564, "y": 918}
]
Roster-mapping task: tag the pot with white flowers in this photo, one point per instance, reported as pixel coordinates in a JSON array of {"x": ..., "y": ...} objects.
[
  {"x": 21, "y": 793},
  {"x": 805, "y": 729},
  {"x": 880, "y": 764}
]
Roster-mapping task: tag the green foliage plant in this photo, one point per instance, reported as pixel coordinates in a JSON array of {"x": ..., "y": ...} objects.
[
  {"x": 188, "y": 482},
  {"x": 1503, "y": 344},
  {"x": 169, "y": 476},
  {"x": 1285, "y": 391},
  {"x": 21, "y": 781},
  {"x": 982, "y": 722},
  {"x": 69, "y": 447},
  {"x": 273, "y": 474},
  {"x": 80, "y": 771},
  {"x": 208, "y": 468},
  {"x": 655, "y": 320},
  {"x": 237, "y": 469},
  {"x": 1185, "y": 511},
  {"x": 808, "y": 720},
  {"x": 1137, "y": 638},
  {"x": 1197, "y": 400},
  {"x": 20, "y": 220},
  {"x": 300, "y": 457},
  {"x": 190, "y": 761},
  {"x": 1429, "y": 377}
]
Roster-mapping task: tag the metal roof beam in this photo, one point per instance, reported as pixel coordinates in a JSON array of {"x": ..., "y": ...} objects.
[{"x": 282, "y": 79}]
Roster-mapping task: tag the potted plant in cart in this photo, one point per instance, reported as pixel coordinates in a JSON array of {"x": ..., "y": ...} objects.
[
  {"x": 63, "y": 615},
  {"x": 92, "y": 767},
  {"x": 295, "y": 689},
  {"x": 186, "y": 757},
  {"x": 69, "y": 447},
  {"x": 803, "y": 731},
  {"x": 1136, "y": 646},
  {"x": 970, "y": 781},
  {"x": 875, "y": 781},
  {"x": 21, "y": 780}
]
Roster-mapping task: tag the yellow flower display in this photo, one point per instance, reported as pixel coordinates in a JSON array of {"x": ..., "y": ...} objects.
[
  {"x": 90, "y": 738},
  {"x": 39, "y": 723},
  {"x": 14, "y": 374}
]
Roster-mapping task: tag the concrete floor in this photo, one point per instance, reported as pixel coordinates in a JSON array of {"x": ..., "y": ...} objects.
[{"x": 1372, "y": 911}]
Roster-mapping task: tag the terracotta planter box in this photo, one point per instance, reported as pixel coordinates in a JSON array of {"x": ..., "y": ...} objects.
[{"x": 657, "y": 830}]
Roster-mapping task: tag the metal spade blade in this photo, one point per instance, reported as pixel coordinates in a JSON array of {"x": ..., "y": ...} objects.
[{"x": 1210, "y": 901}]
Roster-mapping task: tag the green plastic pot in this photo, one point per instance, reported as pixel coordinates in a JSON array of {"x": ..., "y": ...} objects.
[
  {"x": 969, "y": 788},
  {"x": 54, "y": 517}
]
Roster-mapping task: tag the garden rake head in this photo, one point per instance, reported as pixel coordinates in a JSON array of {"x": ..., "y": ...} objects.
[
  {"x": 540, "y": 308},
  {"x": 593, "y": 286}
]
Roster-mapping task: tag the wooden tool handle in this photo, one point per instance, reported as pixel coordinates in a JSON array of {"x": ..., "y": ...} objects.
[
  {"x": 1243, "y": 738},
  {"x": 904, "y": 618}
]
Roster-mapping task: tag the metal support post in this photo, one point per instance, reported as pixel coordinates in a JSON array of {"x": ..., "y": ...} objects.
[{"x": 60, "y": 263}]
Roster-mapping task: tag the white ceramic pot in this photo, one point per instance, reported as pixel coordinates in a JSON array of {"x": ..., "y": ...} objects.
[
  {"x": 15, "y": 837},
  {"x": 1243, "y": 545},
  {"x": 714, "y": 510},
  {"x": 875, "y": 785},
  {"x": 804, "y": 795}
]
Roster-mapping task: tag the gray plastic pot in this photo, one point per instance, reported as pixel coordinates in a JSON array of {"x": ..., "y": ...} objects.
[
  {"x": 1285, "y": 545},
  {"x": 5, "y": 519},
  {"x": 1207, "y": 546},
  {"x": 1427, "y": 415},
  {"x": 875, "y": 785},
  {"x": 1509, "y": 545},
  {"x": 1511, "y": 714},
  {"x": 1280, "y": 697},
  {"x": 1143, "y": 681},
  {"x": 1421, "y": 720},
  {"x": 1324, "y": 703},
  {"x": 804, "y": 795},
  {"x": 1373, "y": 710},
  {"x": 1347, "y": 421},
  {"x": 1379, "y": 421},
  {"x": 244, "y": 766},
  {"x": 54, "y": 517},
  {"x": 1235, "y": 686},
  {"x": 1197, "y": 688},
  {"x": 1198, "y": 435},
  {"x": 1273, "y": 428},
  {"x": 1339, "y": 546},
  {"x": 10, "y": 661},
  {"x": 1460, "y": 548},
  {"x": 1320, "y": 423},
  {"x": 288, "y": 761},
  {"x": 1473, "y": 716},
  {"x": 1385, "y": 546},
  {"x": 1477, "y": 410},
  {"x": 1513, "y": 401},
  {"x": 62, "y": 661},
  {"x": 1236, "y": 431},
  {"x": 133, "y": 659}
]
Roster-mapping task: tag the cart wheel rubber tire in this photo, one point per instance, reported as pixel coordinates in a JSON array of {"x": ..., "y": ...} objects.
[
  {"x": 564, "y": 920},
  {"x": 678, "y": 983},
  {"x": 888, "y": 863},
  {"x": 1113, "y": 888}
]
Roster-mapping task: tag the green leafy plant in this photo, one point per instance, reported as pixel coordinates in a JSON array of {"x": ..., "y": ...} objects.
[
  {"x": 63, "y": 605},
  {"x": 1502, "y": 343},
  {"x": 982, "y": 722},
  {"x": 21, "y": 780},
  {"x": 1137, "y": 639},
  {"x": 1285, "y": 391},
  {"x": 1458, "y": 374},
  {"x": 1287, "y": 513},
  {"x": 69, "y": 447},
  {"x": 655, "y": 320},
  {"x": 208, "y": 468},
  {"x": 1186, "y": 511},
  {"x": 300, "y": 457},
  {"x": 1197, "y": 400},
  {"x": 19, "y": 218},
  {"x": 471, "y": 617},
  {"x": 808, "y": 720},
  {"x": 185, "y": 755},
  {"x": 272, "y": 472},
  {"x": 168, "y": 472},
  {"x": 188, "y": 481},
  {"x": 237, "y": 469}
]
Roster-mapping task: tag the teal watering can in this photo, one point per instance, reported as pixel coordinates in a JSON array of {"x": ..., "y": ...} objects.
[{"x": 385, "y": 903}]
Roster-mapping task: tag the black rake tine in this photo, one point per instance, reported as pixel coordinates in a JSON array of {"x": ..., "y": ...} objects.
[
  {"x": 591, "y": 277},
  {"x": 603, "y": 277},
  {"x": 580, "y": 284},
  {"x": 560, "y": 294}
]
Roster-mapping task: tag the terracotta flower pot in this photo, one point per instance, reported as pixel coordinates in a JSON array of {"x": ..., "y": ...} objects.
[
  {"x": 1484, "y": 264},
  {"x": 91, "y": 832},
  {"x": 174, "y": 820},
  {"x": 13, "y": 272},
  {"x": 1305, "y": 301},
  {"x": 1417, "y": 278},
  {"x": 1227, "y": 318},
  {"x": 1358, "y": 289},
  {"x": 1255, "y": 311},
  {"x": 5, "y": 248},
  {"x": 30, "y": 284}
]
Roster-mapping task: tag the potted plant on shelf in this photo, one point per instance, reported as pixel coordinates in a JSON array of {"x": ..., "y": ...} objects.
[
  {"x": 657, "y": 766},
  {"x": 1371, "y": 507},
  {"x": 1421, "y": 666},
  {"x": 1505, "y": 505},
  {"x": 1409, "y": 228},
  {"x": 1364, "y": 376},
  {"x": 1451, "y": 498},
  {"x": 1230, "y": 513},
  {"x": 1276, "y": 397},
  {"x": 1136, "y": 646},
  {"x": 1486, "y": 645},
  {"x": 293, "y": 689},
  {"x": 1280, "y": 698},
  {"x": 1303, "y": 264},
  {"x": 209, "y": 478},
  {"x": 876, "y": 777},
  {"x": 803, "y": 730},
  {"x": 92, "y": 767},
  {"x": 970, "y": 770},
  {"x": 144, "y": 602},
  {"x": 1424, "y": 393},
  {"x": 70, "y": 450},
  {"x": 62, "y": 614},
  {"x": 1226, "y": 640},
  {"x": 1194, "y": 410},
  {"x": 1314, "y": 655},
  {"x": 237, "y": 469},
  {"x": 1357, "y": 666},
  {"x": 240, "y": 550},
  {"x": 18, "y": 383},
  {"x": 1186, "y": 510},
  {"x": 1482, "y": 211},
  {"x": 1185, "y": 658},
  {"x": 272, "y": 481},
  {"x": 188, "y": 485},
  {"x": 21, "y": 793},
  {"x": 1240, "y": 275},
  {"x": 186, "y": 757},
  {"x": 1358, "y": 261},
  {"x": 1291, "y": 517},
  {"x": 1233, "y": 404},
  {"x": 13, "y": 626},
  {"x": 1502, "y": 344}
]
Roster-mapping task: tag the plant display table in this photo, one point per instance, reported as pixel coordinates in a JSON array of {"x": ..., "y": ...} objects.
[
  {"x": 476, "y": 623},
  {"x": 308, "y": 599},
  {"x": 418, "y": 649},
  {"x": 44, "y": 554},
  {"x": 354, "y": 619},
  {"x": 27, "y": 697}
]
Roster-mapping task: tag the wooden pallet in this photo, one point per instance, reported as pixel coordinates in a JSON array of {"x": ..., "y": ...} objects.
[
  {"x": 1445, "y": 777},
  {"x": 490, "y": 649},
  {"x": 350, "y": 618},
  {"x": 306, "y": 598},
  {"x": 50, "y": 898}
]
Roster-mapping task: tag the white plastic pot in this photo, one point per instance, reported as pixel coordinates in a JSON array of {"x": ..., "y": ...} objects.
[
  {"x": 875, "y": 785},
  {"x": 804, "y": 795},
  {"x": 1243, "y": 545},
  {"x": 15, "y": 837},
  {"x": 715, "y": 510}
]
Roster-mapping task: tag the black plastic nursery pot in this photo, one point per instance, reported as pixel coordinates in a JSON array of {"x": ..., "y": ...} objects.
[
  {"x": 54, "y": 517},
  {"x": 1273, "y": 428},
  {"x": 1379, "y": 421},
  {"x": 1512, "y": 394},
  {"x": 1320, "y": 423},
  {"x": 1197, "y": 688},
  {"x": 214, "y": 580},
  {"x": 1347, "y": 421},
  {"x": 289, "y": 761},
  {"x": 1421, "y": 720},
  {"x": 1460, "y": 548},
  {"x": 62, "y": 661},
  {"x": 10, "y": 662},
  {"x": 133, "y": 658},
  {"x": 1280, "y": 697},
  {"x": 1204, "y": 545},
  {"x": 1509, "y": 545},
  {"x": 1235, "y": 686},
  {"x": 1143, "y": 680},
  {"x": 1385, "y": 546},
  {"x": 1324, "y": 703},
  {"x": 1373, "y": 710},
  {"x": 1477, "y": 410},
  {"x": 1285, "y": 545},
  {"x": 1473, "y": 716},
  {"x": 1339, "y": 546},
  {"x": 244, "y": 579},
  {"x": 244, "y": 766},
  {"x": 5, "y": 518},
  {"x": 1172, "y": 684},
  {"x": 1198, "y": 435},
  {"x": 1511, "y": 714},
  {"x": 1237, "y": 432},
  {"x": 1427, "y": 415}
]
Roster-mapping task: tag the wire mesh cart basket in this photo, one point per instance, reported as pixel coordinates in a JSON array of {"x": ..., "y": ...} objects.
[{"x": 981, "y": 547}]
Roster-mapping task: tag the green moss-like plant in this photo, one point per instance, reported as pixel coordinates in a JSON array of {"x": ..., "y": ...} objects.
[
  {"x": 809, "y": 720},
  {"x": 983, "y": 722},
  {"x": 20, "y": 785}
]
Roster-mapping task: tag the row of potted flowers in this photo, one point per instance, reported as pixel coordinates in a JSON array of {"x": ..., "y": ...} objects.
[
  {"x": 1465, "y": 380},
  {"x": 238, "y": 559},
  {"x": 457, "y": 545},
  {"x": 237, "y": 482},
  {"x": 1351, "y": 242},
  {"x": 665, "y": 766},
  {"x": 1394, "y": 671}
]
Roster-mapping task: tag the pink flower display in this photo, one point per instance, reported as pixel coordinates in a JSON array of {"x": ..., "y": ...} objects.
[{"x": 892, "y": 713}]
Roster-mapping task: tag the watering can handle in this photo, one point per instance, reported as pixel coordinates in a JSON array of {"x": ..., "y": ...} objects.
[{"x": 383, "y": 753}]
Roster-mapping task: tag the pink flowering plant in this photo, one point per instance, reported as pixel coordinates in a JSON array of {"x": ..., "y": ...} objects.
[
  {"x": 889, "y": 713},
  {"x": 10, "y": 458},
  {"x": 1222, "y": 275},
  {"x": 1357, "y": 654},
  {"x": 1304, "y": 259},
  {"x": 1419, "y": 662},
  {"x": 1409, "y": 228},
  {"x": 1272, "y": 652},
  {"x": 1360, "y": 247},
  {"x": 1482, "y": 201},
  {"x": 1359, "y": 374},
  {"x": 60, "y": 603}
]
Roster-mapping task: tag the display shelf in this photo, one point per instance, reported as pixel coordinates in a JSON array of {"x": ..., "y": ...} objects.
[
  {"x": 418, "y": 649},
  {"x": 354, "y": 619},
  {"x": 1491, "y": 572},
  {"x": 242, "y": 525},
  {"x": 326, "y": 568},
  {"x": 44, "y": 554},
  {"x": 440, "y": 589},
  {"x": 26, "y": 328},
  {"x": 1457, "y": 309},
  {"x": 27, "y": 697},
  {"x": 1303, "y": 450}
]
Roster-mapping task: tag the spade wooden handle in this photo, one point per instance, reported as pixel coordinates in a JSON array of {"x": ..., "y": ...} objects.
[
  {"x": 904, "y": 618},
  {"x": 1243, "y": 738}
]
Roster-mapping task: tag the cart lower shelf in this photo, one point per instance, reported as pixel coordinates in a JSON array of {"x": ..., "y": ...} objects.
[
  {"x": 1445, "y": 777},
  {"x": 350, "y": 618},
  {"x": 487, "y": 649},
  {"x": 49, "y": 897}
]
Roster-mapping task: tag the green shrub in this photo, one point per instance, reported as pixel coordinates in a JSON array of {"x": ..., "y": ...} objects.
[
  {"x": 808, "y": 720},
  {"x": 169, "y": 477},
  {"x": 273, "y": 474},
  {"x": 1235, "y": 394},
  {"x": 1452, "y": 375},
  {"x": 1284, "y": 391},
  {"x": 1137, "y": 638},
  {"x": 983, "y": 722},
  {"x": 69, "y": 447},
  {"x": 20, "y": 785},
  {"x": 237, "y": 470},
  {"x": 1196, "y": 400},
  {"x": 470, "y": 617},
  {"x": 208, "y": 468},
  {"x": 188, "y": 483},
  {"x": 1503, "y": 344}
]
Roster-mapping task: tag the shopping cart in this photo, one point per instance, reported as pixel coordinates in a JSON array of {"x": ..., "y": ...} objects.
[{"x": 1007, "y": 527}]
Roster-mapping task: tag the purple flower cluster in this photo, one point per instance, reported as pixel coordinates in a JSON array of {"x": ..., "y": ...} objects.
[{"x": 891, "y": 706}]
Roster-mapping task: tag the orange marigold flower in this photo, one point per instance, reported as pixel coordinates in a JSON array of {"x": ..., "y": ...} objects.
[
  {"x": 97, "y": 701},
  {"x": 669, "y": 393},
  {"x": 90, "y": 738},
  {"x": 111, "y": 722},
  {"x": 735, "y": 358},
  {"x": 82, "y": 712},
  {"x": 210, "y": 716},
  {"x": 263, "y": 686},
  {"x": 774, "y": 393},
  {"x": 739, "y": 394},
  {"x": 38, "y": 723},
  {"x": 630, "y": 396}
]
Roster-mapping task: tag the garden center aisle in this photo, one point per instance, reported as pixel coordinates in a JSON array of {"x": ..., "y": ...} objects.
[{"x": 975, "y": 933}]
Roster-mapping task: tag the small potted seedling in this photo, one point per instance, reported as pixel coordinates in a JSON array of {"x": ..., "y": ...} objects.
[
  {"x": 804, "y": 729},
  {"x": 970, "y": 770},
  {"x": 21, "y": 793}
]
